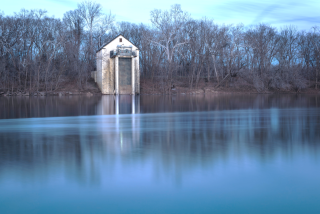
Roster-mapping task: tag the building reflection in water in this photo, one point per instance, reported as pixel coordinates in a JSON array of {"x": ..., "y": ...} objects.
[
  {"x": 120, "y": 104},
  {"x": 120, "y": 133}
]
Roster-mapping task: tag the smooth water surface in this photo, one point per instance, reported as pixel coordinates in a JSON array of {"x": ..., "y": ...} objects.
[{"x": 154, "y": 154}]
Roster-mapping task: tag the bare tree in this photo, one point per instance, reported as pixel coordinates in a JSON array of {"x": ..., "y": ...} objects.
[
  {"x": 216, "y": 39},
  {"x": 90, "y": 12},
  {"x": 105, "y": 25},
  {"x": 315, "y": 41},
  {"x": 169, "y": 25}
]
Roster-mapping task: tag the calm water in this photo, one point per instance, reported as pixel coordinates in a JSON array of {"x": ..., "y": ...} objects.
[{"x": 155, "y": 154}]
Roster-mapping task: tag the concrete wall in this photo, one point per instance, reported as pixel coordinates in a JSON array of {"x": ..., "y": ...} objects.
[
  {"x": 99, "y": 70},
  {"x": 137, "y": 77},
  {"x": 111, "y": 76},
  {"x": 106, "y": 69},
  {"x": 94, "y": 75}
]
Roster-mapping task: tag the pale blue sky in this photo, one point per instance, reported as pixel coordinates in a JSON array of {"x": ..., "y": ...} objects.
[{"x": 304, "y": 14}]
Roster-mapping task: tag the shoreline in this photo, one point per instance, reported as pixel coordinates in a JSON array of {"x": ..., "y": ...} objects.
[
  {"x": 147, "y": 88},
  {"x": 176, "y": 93}
]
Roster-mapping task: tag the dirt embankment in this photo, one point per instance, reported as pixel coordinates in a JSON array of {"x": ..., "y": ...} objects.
[
  {"x": 239, "y": 85},
  {"x": 66, "y": 88},
  {"x": 151, "y": 88}
]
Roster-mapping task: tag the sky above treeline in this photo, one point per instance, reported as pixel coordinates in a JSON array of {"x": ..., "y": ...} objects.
[{"x": 302, "y": 13}]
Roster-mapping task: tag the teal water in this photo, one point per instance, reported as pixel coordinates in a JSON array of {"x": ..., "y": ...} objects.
[{"x": 218, "y": 154}]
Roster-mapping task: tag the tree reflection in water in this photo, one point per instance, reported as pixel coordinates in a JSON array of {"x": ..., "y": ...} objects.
[{"x": 169, "y": 147}]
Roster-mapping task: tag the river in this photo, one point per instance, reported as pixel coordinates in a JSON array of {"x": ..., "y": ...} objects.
[{"x": 160, "y": 154}]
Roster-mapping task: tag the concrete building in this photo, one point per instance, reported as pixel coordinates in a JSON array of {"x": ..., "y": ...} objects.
[{"x": 118, "y": 67}]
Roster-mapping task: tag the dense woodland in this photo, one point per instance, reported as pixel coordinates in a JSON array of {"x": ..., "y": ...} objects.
[{"x": 39, "y": 53}]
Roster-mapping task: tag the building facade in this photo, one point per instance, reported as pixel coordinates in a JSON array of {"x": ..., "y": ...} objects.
[{"x": 118, "y": 67}]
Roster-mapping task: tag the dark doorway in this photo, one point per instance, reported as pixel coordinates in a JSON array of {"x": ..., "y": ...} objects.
[{"x": 125, "y": 75}]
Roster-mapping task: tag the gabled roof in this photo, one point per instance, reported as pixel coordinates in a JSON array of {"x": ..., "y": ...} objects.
[{"x": 102, "y": 46}]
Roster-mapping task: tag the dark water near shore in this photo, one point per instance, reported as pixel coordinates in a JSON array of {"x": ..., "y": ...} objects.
[{"x": 155, "y": 154}]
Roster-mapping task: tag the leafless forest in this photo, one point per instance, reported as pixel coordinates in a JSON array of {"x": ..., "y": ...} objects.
[{"x": 39, "y": 53}]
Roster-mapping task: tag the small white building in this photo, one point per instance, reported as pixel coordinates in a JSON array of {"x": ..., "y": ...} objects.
[{"x": 118, "y": 67}]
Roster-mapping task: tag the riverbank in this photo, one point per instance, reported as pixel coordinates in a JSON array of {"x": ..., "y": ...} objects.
[
  {"x": 239, "y": 85},
  {"x": 67, "y": 88},
  {"x": 149, "y": 87}
]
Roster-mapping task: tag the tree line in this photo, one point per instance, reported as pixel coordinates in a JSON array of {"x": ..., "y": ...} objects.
[{"x": 39, "y": 53}]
